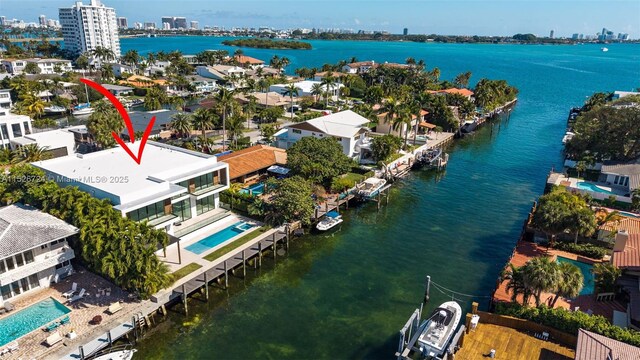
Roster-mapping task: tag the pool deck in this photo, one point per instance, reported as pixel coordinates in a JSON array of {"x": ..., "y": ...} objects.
[{"x": 526, "y": 251}]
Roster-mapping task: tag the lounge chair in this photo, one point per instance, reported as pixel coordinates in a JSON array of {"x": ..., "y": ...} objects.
[
  {"x": 54, "y": 325},
  {"x": 13, "y": 346},
  {"x": 65, "y": 320},
  {"x": 114, "y": 308},
  {"x": 77, "y": 297},
  {"x": 68, "y": 294},
  {"x": 53, "y": 339}
]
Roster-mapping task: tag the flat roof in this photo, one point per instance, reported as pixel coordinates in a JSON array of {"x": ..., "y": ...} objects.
[{"x": 114, "y": 175}]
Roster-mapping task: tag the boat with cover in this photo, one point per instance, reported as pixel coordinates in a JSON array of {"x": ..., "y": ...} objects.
[
  {"x": 331, "y": 219},
  {"x": 371, "y": 187},
  {"x": 439, "y": 329}
]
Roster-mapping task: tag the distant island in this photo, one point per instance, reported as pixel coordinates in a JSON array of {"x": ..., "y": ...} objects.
[{"x": 269, "y": 44}]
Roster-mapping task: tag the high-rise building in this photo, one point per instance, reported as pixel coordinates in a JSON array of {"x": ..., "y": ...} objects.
[
  {"x": 551, "y": 33},
  {"x": 149, "y": 25},
  {"x": 43, "y": 20},
  {"x": 137, "y": 25},
  {"x": 3, "y": 20},
  {"x": 405, "y": 32},
  {"x": 122, "y": 23},
  {"x": 575, "y": 36},
  {"x": 180, "y": 22},
  {"x": 194, "y": 25},
  {"x": 168, "y": 20},
  {"x": 623, "y": 36},
  {"x": 86, "y": 27}
]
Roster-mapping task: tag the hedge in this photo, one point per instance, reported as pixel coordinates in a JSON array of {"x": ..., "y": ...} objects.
[
  {"x": 570, "y": 321},
  {"x": 588, "y": 250}
]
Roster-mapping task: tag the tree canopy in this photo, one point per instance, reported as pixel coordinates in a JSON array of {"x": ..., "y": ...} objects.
[
  {"x": 384, "y": 146},
  {"x": 291, "y": 201},
  {"x": 318, "y": 160},
  {"x": 561, "y": 211}
]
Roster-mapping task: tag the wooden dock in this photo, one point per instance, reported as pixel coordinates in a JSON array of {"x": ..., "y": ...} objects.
[{"x": 321, "y": 211}]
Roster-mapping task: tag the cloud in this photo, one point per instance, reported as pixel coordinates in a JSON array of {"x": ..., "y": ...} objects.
[{"x": 357, "y": 21}]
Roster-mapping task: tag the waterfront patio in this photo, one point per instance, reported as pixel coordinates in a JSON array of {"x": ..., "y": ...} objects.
[{"x": 94, "y": 303}]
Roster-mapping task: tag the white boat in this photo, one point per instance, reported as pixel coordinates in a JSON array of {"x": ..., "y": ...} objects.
[
  {"x": 604, "y": 49},
  {"x": 331, "y": 219},
  {"x": 126, "y": 354},
  {"x": 371, "y": 187},
  {"x": 439, "y": 329},
  {"x": 54, "y": 109},
  {"x": 567, "y": 137},
  {"x": 83, "y": 109}
]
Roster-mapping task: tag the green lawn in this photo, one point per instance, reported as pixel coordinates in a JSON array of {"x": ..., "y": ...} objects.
[
  {"x": 184, "y": 271},
  {"x": 353, "y": 177},
  {"x": 236, "y": 244}
]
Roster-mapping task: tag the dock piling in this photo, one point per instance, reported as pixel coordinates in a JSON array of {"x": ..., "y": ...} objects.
[
  {"x": 206, "y": 286},
  {"x": 260, "y": 254},
  {"x": 244, "y": 264},
  {"x": 184, "y": 299},
  {"x": 226, "y": 275},
  {"x": 427, "y": 288}
]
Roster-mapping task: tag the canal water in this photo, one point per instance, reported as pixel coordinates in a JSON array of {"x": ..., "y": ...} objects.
[{"x": 346, "y": 294}]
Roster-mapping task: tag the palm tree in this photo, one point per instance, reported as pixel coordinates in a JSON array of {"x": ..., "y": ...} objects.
[
  {"x": 106, "y": 72},
  {"x": 392, "y": 107},
  {"x": 462, "y": 80},
  {"x": 317, "y": 91},
  {"x": 235, "y": 126},
  {"x": 30, "y": 153},
  {"x": 291, "y": 90},
  {"x": 250, "y": 108},
  {"x": 635, "y": 199},
  {"x": 131, "y": 58},
  {"x": 570, "y": 283},
  {"x": 204, "y": 119},
  {"x": 103, "y": 54},
  {"x": 584, "y": 223},
  {"x": 606, "y": 275},
  {"x": 328, "y": 82},
  {"x": 541, "y": 274},
  {"x": 225, "y": 100},
  {"x": 181, "y": 123},
  {"x": 154, "y": 98},
  {"x": 516, "y": 284},
  {"x": 436, "y": 74},
  {"x": 403, "y": 119}
]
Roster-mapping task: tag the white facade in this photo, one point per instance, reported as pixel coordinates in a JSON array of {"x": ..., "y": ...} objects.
[
  {"x": 12, "y": 126},
  {"x": 219, "y": 72},
  {"x": 86, "y": 27},
  {"x": 14, "y": 66},
  {"x": 47, "y": 66},
  {"x": 59, "y": 142},
  {"x": 120, "y": 69},
  {"x": 347, "y": 127},
  {"x": 169, "y": 185},
  {"x": 33, "y": 251},
  {"x": 157, "y": 68},
  {"x": 358, "y": 67},
  {"x": 305, "y": 88}
]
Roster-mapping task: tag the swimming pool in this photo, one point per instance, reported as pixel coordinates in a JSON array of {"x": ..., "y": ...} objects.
[
  {"x": 585, "y": 269},
  {"x": 255, "y": 189},
  {"x": 218, "y": 238},
  {"x": 628, "y": 214},
  {"x": 592, "y": 187},
  {"x": 29, "y": 319}
]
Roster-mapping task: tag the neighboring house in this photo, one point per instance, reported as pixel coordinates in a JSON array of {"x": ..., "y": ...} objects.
[
  {"x": 5, "y": 101},
  {"x": 14, "y": 66},
  {"x": 626, "y": 257},
  {"x": 144, "y": 82},
  {"x": 169, "y": 186},
  {"x": 118, "y": 90},
  {"x": 48, "y": 66},
  {"x": 384, "y": 126},
  {"x": 58, "y": 143},
  {"x": 621, "y": 94},
  {"x": 12, "y": 126},
  {"x": 347, "y": 127},
  {"x": 157, "y": 68},
  {"x": 202, "y": 84},
  {"x": 140, "y": 120},
  {"x": 592, "y": 346},
  {"x": 321, "y": 75},
  {"x": 250, "y": 164},
  {"x": 305, "y": 88},
  {"x": 622, "y": 176},
  {"x": 265, "y": 99},
  {"x": 33, "y": 250},
  {"x": 248, "y": 61},
  {"x": 358, "y": 67},
  {"x": 464, "y": 92},
  {"x": 119, "y": 70},
  {"x": 191, "y": 59},
  {"x": 219, "y": 72}
]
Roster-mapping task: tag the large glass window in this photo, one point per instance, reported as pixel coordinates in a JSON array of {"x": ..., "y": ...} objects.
[
  {"x": 15, "y": 286},
  {"x": 204, "y": 181},
  {"x": 5, "y": 132},
  {"x": 2, "y": 267},
  {"x": 149, "y": 212},
  {"x": 15, "y": 128},
  {"x": 26, "y": 128},
  {"x": 28, "y": 256},
  {"x": 182, "y": 209},
  {"x": 19, "y": 260},
  {"x": 10, "y": 265},
  {"x": 25, "y": 284},
  {"x": 205, "y": 204},
  {"x": 6, "y": 292},
  {"x": 34, "y": 281}
]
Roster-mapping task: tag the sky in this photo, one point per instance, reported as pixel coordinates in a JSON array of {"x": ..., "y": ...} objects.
[{"x": 471, "y": 17}]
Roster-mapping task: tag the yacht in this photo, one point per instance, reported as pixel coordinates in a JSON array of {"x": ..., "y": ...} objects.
[
  {"x": 331, "y": 219},
  {"x": 604, "y": 49},
  {"x": 83, "y": 109},
  {"x": 439, "y": 329},
  {"x": 371, "y": 187},
  {"x": 117, "y": 353},
  {"x": 54, "y": 109}
]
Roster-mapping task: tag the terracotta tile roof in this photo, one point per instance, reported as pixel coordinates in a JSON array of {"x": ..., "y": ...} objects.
[
  {"x": 628, "y": 224},
  {"x": 629, "y": 258},
  {"x": 592, "y": 346},
  {"x": 360, "y": 63},
  {"x": 243, "y": 59},
  {"x": 463, "y": 92},
  {"x": 382, "y": 116},
  {"x": 252, "y": 159},
  {"x": 142, "y": 81}
]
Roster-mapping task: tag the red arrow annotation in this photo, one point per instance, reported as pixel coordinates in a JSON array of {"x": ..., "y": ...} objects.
[{"x": 127, "y": 122}]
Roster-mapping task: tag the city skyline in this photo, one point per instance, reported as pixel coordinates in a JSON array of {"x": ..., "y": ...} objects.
[{"x": 498, "y": 18}]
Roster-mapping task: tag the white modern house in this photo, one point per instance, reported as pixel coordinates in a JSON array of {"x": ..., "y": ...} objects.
[
  {"x": 157, "y": 68},
  {"x": 358, "y": 67},
  {"x": 202, "y": 84},
  {"x": 622, "y": 176},
  {"x": 49, "y": 66},
  {"x": 120, "y": 69},
  {"x": 33, "y": 250},
  {"x": 346, "y": 127},
  {"x": 305, "y": 88},
  {"x": 12, "y": 126},
  {"x": 219, "y": 72},
  {"x": 169, "y": 186},
  {"x": 14, "y": 66},
  {"x": 86, "y": 27},
  {"x": 59, "y": 142}
]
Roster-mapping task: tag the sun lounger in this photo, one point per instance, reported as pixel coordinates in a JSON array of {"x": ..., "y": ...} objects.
[
  {"x": 65, "y": 320},
  {"x": 54, "y": 325},
  {"x": 69, "y": 293},
  {"x": 114, "y": 308},
  {"x": 13, "y": 346},
  {"x": 53, "y": 339},
  {"x": 77, "y": 297}
]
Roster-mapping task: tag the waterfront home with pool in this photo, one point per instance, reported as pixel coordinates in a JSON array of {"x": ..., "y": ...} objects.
[
  {"x": 598, "y": 190},
  {"x": 255, "y": 163},
  {"x": 626, "y": 257},
  {"x": 33, "y": 251},
  {"x": 170, "y": 186}
]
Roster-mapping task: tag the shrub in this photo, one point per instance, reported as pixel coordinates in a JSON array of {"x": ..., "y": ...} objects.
[
  {"x": 588, "y": 250},
  {"x": 570, "y": 321}
]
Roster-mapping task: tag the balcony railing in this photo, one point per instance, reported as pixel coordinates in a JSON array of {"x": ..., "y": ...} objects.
[
  {"x": 49, "y": 260},
  {"x": 207, "y": 189}
]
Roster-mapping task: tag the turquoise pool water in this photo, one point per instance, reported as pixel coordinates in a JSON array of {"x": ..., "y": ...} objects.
[
  {"x": 25, "y": 321},
  {"x": 628, "y": 214},
  {"x": 255, "y": 189},
  {"x": 218, "y": 238},
  {"x": 589, "y": 278},
  {"x": 591, "y": 187}
]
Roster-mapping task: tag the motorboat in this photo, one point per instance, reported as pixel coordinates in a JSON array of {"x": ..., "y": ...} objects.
[
  {"x": 567, "y": 137},
  {"x": 117, "y": 355},
  {"x": 331, "y": 219},
  {"x": 438, "y": 329},
  {"x": 604, "y": 49},
  {"x": 83, "y": 109},
  {"x": 54, "y": 109},
  {"x": 371, "y": 187}
]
